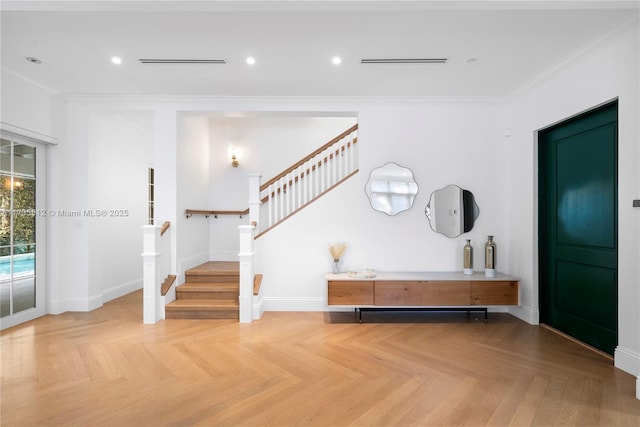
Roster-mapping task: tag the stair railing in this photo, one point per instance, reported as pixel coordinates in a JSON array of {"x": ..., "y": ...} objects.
[
  {"x": 156, "y": 272},
  {"x": 306, "y": 180}
]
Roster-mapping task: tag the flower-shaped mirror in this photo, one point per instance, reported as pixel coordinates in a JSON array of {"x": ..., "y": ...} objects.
[
  {"x": 452, "y": 211},
  {"x": 391, "y": 189}
]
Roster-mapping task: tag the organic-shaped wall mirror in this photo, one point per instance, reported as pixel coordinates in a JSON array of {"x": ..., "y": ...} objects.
[
  {"x": 452, "y": 211},
  {"x": 391, "y": 189}
]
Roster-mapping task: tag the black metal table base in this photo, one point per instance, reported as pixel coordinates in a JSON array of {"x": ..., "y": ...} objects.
[{"x": 359, "y": 310}]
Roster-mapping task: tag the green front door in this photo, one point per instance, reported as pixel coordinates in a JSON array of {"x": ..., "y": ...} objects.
[{"x": 578, "y": 227}]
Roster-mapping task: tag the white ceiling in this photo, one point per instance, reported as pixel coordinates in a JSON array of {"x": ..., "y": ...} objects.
[{"x": 513, "y": 42}]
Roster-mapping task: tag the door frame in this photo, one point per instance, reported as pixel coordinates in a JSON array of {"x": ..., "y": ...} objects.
[{"x": 41, "y": 234}]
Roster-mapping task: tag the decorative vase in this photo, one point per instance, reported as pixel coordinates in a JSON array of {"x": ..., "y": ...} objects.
[
  {"x": 336, "y": 250},
  {"x": 468, "y": 258},
  {"x": 490, "y": 257}
]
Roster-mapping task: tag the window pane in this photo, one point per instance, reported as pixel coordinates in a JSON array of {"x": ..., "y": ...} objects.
[
  {"x": 24, "y": 160},
  {"x": 24, "y": 219},
  {"x": 24, "y": 293},
  {"x": 5, "y": 156}
]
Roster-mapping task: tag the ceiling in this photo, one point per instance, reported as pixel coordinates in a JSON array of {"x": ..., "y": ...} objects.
[{"x": 492, "y": 48}]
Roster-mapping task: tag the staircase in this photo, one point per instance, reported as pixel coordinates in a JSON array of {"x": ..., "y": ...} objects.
[{"x": 210, "y": 291}]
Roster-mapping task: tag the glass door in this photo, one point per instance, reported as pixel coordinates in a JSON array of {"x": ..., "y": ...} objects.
[{"x": 21, "y": 232}]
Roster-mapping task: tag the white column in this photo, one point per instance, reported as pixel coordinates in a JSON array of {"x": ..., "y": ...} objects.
[
  {"x": 151, "y": 259},
  {"x": 245, "y": 256},
  {"x": 165, "y": 147}
]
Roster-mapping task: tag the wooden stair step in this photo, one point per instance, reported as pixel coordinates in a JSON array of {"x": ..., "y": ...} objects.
[
  {"x": 210, "y": 291},
  {"x": 194, "y": 304},
  {"x": 206, "y": 290},
  {"x": 202, "y": 309},
  {"x": 214, "y": 271},
  {"x": 211, "y": 286}
]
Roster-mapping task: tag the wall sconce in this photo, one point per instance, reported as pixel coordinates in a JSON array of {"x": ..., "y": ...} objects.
[{"x": 234, "y": 156}]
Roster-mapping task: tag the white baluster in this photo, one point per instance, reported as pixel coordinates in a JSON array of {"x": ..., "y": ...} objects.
[
  {"x": 352, "y": 152},
  {"x": 318, "y": 177},
  {"x": 287, "y": 201},
  {"x": 341, "y": 160},
  {"x": 299, "y": 200},
  {"x": 355, "y": 148},
  {"x": 339, "y": 169},
  {"x": 272, "y": 205},
  {"x": 323, "y": 175},
  {"x": 280, "y": 200},
  {"x": 254, "y": 200}
]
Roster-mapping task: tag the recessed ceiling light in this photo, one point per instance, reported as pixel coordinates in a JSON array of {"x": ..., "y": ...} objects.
[
  {"x": 33, "y": 60},
  {"x": 336, "y": 60},
  {"x": 471, "y": 60},
  {"x": 251, "y": 60},
  {"x": 116, "y": 60}
]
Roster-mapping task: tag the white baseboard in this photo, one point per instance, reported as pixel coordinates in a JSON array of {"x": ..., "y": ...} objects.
[
  {"x": 627, "y": 360},
  {"x": 121, "y": 290},
  {"x": 62, "y": 305},
  {"x": 57, "y": 306},
  {"x": 83, "y": 304},
  {"x": 526, "y": 313},
  {"x": 295, "y": 304},
  {"x": 224, "y": 255}
]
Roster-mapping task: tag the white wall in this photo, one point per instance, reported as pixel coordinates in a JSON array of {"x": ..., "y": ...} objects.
[
  {"x": 442, "y": 142},
  {"x": 609, "y": 70},
  {"x": 119, "y": 155},
  {"x": 194, "y": 185}
]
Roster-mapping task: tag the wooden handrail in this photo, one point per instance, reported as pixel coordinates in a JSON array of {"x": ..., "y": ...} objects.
[
  {"x": 165, "y": 227},
  {"x": 257, "y": 281},
  {"x": 302, "y": 175},
  {"x": 190, "y": 212},
  {"x": 166, "y": 285},
  {"x": 309, "y": 157}
]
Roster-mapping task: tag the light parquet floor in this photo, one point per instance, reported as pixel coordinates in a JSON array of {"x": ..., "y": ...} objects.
[{"x": 106, "y": 368}]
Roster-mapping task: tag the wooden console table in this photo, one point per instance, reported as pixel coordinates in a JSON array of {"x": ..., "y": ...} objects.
[{"x": 424, "y": 291}]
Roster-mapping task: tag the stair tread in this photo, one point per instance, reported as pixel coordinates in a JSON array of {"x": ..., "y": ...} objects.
[
  {"x": 199, "y": 286},
  {"x": 203, "y": 304},
  {"x": 215, "y": 268}
]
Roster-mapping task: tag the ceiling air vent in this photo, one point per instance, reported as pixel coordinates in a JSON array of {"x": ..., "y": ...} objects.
[
  {"x": 404, "y": 61},
  {"x": 182, "y": 61}
]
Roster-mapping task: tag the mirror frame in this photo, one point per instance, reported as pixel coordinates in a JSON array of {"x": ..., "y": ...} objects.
[
  {"x": 373, "y": 196},
  {"x": 466, "y": 208}
]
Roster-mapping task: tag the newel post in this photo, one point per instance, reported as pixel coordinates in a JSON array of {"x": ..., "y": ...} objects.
[
  {"x": 245, "y": 256},
  {"x": 254, "y": 199},
  {"x": 151, "y": 255}
]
